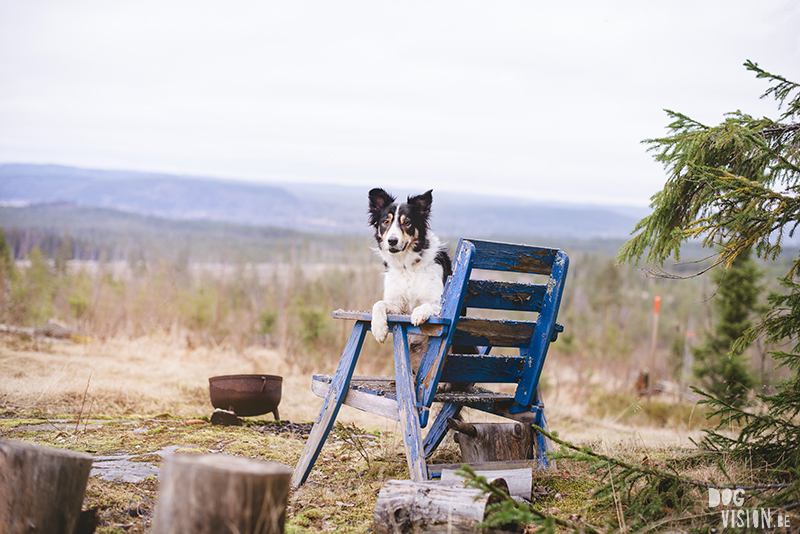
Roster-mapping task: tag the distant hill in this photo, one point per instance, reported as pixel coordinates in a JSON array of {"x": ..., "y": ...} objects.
[
  {"x": 95, "y": 233},
  {"x": 304, "y": 207}
]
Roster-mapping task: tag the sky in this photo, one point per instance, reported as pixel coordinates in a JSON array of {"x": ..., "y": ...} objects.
[{"x": 539, "y": 100}]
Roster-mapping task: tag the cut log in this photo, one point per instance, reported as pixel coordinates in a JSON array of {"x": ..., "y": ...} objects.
[
  {"x": 518, "y": 480},
  {"x": 212, "y": 493},
  {"x": 430, "y": 507},
  {"x": 41, "y": 488},
  {"x": 495, "y": 442}
]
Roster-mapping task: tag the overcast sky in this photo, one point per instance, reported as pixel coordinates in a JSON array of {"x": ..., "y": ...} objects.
[{"x": 531, "y": 99}]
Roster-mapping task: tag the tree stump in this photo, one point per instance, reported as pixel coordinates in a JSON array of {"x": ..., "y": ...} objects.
[
  {"x": 41, "y": 488},
  {"x": 213, "y": 493},
  {"x": 430, "y": 507},
  {"x": 492, "y": 442}
]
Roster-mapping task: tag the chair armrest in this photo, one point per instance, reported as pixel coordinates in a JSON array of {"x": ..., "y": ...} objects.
[{"x": 367, "y": 316}]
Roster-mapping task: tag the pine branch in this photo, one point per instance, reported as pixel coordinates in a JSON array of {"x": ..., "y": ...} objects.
[
  {"x": 781, "y": 91},
  {"x": 507, "y": 510},
  {"x": 586, "y": 453}
]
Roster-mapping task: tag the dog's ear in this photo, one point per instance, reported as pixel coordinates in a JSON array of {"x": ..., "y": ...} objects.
[
  {"x": 378, "y": 199},
  {"x": 422, "y": 203}
]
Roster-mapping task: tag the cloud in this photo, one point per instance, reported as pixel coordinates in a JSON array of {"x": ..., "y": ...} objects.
[{"x": 547, "y": 101}]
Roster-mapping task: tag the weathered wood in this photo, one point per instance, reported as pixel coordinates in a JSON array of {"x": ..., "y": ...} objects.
[
  {"x": 41, "y": 488},
  {"x": 357, "y": 315},
  {"x": 213, "y": 493},
  {"x": 498, "y": 295},
  {"x": 544, "y": 332},
  {"x": 519, "y": 480},
  {"x": 430, "y": 368},
  {"x": 473, "y": 368},
  {"x": 407, "y": 406},
  {"x": 516, "y": 258},
  {"x": 433, "y": 327},
  {"x": 446, "y": 332},
  {"x": 462, "y": 427},
  {"x": 52, "y": 328},
  {"x": 438, "y": 469},
  {"x": 327, "y": 416},
  {"x": 496, "y": 442},
  {"x": 430, "y": 507},
  {"x": 496, "y": 332},
  {"x": 439, "y": 428},
  {"x": 360, "y": 400}
]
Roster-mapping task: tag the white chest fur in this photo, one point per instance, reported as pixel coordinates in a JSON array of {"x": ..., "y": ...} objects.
[{"x": 408, "y": 287}]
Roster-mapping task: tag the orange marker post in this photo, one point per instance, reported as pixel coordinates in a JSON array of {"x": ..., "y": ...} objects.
[{"x": 656, "y": 313}]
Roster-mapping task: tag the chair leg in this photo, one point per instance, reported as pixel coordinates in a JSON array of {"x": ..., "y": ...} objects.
[
  {"x": 330, "y": 409},
  {"x": 543, "y": 444},
  {"x": 407, "y": 406},
  {"x": 439, "y": 427}
]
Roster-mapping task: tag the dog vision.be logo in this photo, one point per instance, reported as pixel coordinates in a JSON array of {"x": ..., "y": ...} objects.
[{"x": 735, "y": 515}]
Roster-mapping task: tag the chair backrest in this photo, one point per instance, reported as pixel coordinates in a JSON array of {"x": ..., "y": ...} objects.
[{"x": 531, "y": 337}]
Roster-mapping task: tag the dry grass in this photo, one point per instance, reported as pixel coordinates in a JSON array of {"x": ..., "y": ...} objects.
[
  {"x": 145, "y": 376},
  {"x": 141, "y": 392},
  {"x": 163, "y": 374}
]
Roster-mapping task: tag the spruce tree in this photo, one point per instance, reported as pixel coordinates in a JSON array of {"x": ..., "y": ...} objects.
[
  {"x": 725, "y": 374},
  {"x": 736, "y": 186}
]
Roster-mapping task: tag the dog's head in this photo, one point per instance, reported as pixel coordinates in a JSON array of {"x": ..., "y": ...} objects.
[{"x": 400, "y": 227}]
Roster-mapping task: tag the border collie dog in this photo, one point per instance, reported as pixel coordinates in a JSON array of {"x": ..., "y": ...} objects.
[{"x": 417, "y": 263}]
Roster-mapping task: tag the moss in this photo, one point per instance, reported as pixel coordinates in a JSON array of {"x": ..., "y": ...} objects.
[
  {"x": 308, "y": 517},
  {"x": 569, "y": 495}
]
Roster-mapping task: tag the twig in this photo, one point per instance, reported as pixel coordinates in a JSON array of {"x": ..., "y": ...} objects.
[
  {"x": 618, "y": 507},
  {"x": 88, "y": 415},
  {"x": 80, "y": 414}
]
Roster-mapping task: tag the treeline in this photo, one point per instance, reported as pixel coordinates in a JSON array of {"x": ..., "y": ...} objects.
[
  {"x": 283, "y": 305},
  {"x": 22, "y": 241},
  {"x": 112, "y": 235},
  {"x": 286, "y": 301}
]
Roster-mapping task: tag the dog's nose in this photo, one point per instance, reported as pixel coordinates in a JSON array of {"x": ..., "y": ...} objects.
[{"x": 392, "y": 241}]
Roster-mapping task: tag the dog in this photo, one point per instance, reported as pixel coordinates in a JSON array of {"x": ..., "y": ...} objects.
[{"x": 417, "y": 262}]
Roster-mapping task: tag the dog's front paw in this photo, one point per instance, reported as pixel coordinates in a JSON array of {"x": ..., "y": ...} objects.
[
  {"x": 420, "y": 315},
  {"x": 380, "y": 329},
  {"x": 380, "y": 326}
]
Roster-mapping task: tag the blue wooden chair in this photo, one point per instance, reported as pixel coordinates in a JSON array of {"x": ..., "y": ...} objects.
[{"x": 408, "y": 398}]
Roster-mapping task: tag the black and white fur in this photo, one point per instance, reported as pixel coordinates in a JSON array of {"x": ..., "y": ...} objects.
[{"x": 417, "y": 263}]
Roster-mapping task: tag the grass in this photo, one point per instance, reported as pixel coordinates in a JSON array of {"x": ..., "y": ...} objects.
[
  {"x": 340, "y": 493},
  {"x": 147, "y": 394},
  {"x": 139, "y": 383},
  {"x": 660, "y": 410}
]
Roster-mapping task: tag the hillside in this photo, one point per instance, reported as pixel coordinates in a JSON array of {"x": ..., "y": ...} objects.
[
  {"x": 117, "y": 235},
  {"x": 303, "y": 207}
]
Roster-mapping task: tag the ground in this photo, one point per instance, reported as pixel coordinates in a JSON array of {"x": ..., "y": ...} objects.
[{"x": 129, "y": 402}]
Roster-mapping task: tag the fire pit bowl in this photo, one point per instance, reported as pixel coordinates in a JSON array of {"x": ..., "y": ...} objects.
[{"x": 246, "y": 395}]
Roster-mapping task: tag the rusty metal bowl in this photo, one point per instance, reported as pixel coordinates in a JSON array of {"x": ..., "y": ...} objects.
[{"x": 246, "y": 395}]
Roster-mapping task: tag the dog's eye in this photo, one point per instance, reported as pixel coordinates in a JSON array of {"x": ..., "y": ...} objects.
[
  {"x": 406, "y": 224},
  {"x": 385, "y": 222}
]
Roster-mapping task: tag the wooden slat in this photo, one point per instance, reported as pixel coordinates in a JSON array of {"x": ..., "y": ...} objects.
[
  {"x": 492, "y": 294},
  {"x": 367, "y": 316},
  {"x": 479, "y": 368},
  {"x": 496, "y": 332},
  {"x": 384, "y": 388},
  {"x": 360, "y": 400},
  {"x": 434, "y": 327},
  {"x": 516, "y": 258}
]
